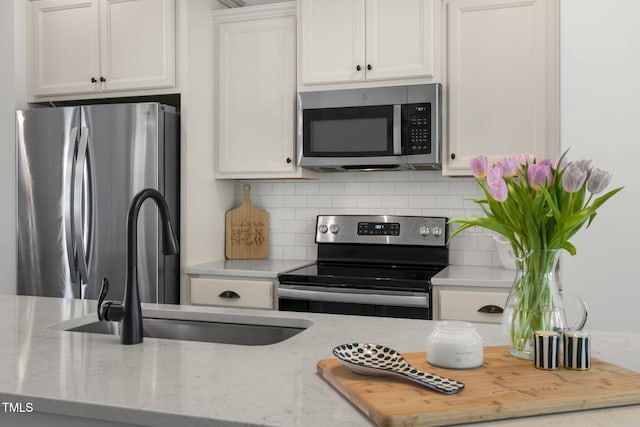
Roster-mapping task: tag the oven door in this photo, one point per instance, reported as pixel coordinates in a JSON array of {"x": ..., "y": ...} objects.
[{"x": 363, "y": 302}]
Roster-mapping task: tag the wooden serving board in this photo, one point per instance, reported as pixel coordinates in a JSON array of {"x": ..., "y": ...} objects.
[
  {"x": 247, "y": 230},
  {"x": 504, "y": 387}
]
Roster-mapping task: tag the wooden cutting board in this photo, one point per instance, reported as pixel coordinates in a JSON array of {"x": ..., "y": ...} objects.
[
  {"x": 247, "y": 230},
  {"x": 504, "y": 387}
]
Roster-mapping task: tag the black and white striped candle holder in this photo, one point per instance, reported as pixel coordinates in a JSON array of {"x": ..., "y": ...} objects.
[
  {"x": 546, "y": 348},
  {"x": 577, "y": 350}
]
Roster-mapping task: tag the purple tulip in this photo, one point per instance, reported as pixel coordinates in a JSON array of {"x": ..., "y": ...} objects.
[
  {"x": 509, "y": 166},
  {"x": 539, "y": 174},
  {"x": 573, "y": 178},
  {"x": 496, "y": 185},
  {"x": 584, "y": 165},
  {"x": 544, "y": 162},
  {"x": 479, "y": 166},
  {"x": 598, "y": 180},
  {"x": 523, "y": 159}
]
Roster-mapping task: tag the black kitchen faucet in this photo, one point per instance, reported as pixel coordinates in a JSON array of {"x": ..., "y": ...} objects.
[{"x": 128, "y": 311}]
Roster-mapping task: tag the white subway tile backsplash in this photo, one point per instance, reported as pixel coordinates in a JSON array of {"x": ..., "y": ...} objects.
[
  {"x": 382, "y": 188},
  {"x": 319, "y": 201},
  {"x": 294, "y": 201},
  {"x": 359, "y": 188},
  {"x": 307, "y": 188},
  {"x": 293, "y": 206},
  {"x": 374, "y": 201},
  {"x": 407, "y": 188},
  {"x": 284, "y": 188},
  {"x": 395, "y": 202},
  {"x": 267, "y": 201},
  {"x": 447, "y": 201},
  {"x": 422, "y": 202}
]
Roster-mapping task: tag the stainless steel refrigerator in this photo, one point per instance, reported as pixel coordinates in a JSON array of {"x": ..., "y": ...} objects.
[{"x": 78, "y": 169}]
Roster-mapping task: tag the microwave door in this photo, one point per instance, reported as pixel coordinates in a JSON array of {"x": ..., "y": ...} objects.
[{"x": 365, "y": 131}]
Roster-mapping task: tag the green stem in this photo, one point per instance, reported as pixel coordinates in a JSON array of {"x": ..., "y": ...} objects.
[{"x": 535, "y": 306}]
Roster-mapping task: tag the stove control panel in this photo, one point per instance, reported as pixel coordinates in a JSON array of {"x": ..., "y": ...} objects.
[{"x": 382, "y": 229}]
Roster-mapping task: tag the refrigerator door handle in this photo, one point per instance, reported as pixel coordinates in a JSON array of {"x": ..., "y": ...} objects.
[
  {"x": 68, "y": 205},
  {"x": 78, "y": 179}
]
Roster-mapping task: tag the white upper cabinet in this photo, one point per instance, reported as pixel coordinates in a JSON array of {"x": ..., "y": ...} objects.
[
  {"x": 255, "y": 92},
  {"x": 101, "y": 45},
  {"x": 501, "y": 74},
  {"x": 345, "y": 41}
]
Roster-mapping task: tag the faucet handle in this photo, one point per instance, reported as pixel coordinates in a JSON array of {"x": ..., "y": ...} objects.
[
  {"x": 103, "y": 293},
  {"x": 108, "y": 310}
]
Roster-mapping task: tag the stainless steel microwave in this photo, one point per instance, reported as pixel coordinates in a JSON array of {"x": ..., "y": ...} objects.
[{"x": 384, "y": 128}]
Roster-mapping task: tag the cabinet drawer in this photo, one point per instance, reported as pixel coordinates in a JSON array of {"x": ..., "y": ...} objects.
[
  {"x": 232, "y": 292},
  {"x": 464, "y": 305}
]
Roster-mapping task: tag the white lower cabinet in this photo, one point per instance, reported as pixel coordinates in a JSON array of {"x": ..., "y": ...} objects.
[
  {"x": 229, "y": 292},
  {"x": 470, "y": 304}
]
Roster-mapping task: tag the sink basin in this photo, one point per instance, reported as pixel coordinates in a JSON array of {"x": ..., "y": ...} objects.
[{"x": 205, "y": 331}]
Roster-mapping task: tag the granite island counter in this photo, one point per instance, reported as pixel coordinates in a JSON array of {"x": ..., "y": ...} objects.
[{"x": 82, "y": 379}]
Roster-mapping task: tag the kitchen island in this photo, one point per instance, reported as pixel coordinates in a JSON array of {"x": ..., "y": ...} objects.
[{"x": 50, "y": 376}]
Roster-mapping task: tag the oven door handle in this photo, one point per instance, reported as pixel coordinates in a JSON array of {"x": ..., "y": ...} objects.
[{"x": 354, "y": 298}]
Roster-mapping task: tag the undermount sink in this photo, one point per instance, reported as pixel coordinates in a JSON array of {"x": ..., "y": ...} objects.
[{"x": 204, "y": 331}]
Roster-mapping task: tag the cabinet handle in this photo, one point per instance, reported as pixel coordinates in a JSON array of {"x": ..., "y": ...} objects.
[
  {"x": 288, "y": 159},
  {"x": 369, "y": 67},
  {"x": 102, "y": 79},
  {"x": 93, "y": 80},
  {"x": 453, "y": 156},
  {"x": 229, "y": 295},
  {"x": 491, "y": 309},
  {"x": 358, "y": 68}
]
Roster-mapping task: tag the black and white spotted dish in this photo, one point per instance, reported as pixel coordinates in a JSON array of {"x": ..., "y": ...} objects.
[{"x": 375, "y": 359}]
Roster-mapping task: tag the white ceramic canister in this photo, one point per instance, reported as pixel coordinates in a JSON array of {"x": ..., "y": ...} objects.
[{"x": 455, "y": 344}]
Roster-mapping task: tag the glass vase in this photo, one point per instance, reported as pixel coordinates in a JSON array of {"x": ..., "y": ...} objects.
[{"x": 535, "y": 301}]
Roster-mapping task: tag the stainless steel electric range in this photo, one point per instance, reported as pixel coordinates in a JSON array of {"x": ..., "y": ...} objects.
[{"x": 371, "y": 265}]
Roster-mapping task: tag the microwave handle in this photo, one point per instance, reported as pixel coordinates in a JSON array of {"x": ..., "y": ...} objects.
[{"x": 397, "y": 129}]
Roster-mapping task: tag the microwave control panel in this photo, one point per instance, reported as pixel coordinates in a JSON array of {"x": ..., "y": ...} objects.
[{"x": 418, "y": 128}]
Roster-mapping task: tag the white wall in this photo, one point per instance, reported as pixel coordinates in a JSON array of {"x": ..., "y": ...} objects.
[
  {"x": 12, "y": 95},
  {"x": 204, "y": 200},
  {"x": 600, "y": 81}
]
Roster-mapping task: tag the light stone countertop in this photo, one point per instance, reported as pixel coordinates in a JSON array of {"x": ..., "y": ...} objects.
[
  {"x": 81, "y": 376},
  {"x": 261, "y": 268},
  {"x": 462, "y": 275}
]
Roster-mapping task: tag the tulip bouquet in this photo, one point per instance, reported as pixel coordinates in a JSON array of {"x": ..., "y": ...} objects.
[{"x": 538, "y": 205}]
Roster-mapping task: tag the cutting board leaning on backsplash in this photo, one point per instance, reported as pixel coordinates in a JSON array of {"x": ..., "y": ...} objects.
[{"x": 247, "y": 230}]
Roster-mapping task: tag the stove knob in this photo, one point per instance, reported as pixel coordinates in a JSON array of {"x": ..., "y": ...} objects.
[
  {"x": 334, "y": 228},
  {"x": 424, "y": 230},
  {"x": 437, "y": 231},
  {"x": 323, "y": 228}
]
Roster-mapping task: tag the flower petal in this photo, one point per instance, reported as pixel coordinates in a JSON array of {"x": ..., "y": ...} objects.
[
  {"x": 598, "y": 180},
  {"x": 479, "y": 166},
  {"x": 573, "y": 178}
]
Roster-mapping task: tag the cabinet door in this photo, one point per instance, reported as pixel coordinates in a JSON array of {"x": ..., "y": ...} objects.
[
  {"x": 400, "y": 38},
  {"x": 137, "y": 44},
  {"x": 255, "y": 101},
  {"x": 64, "y": 57},
  {"x": 503, "y": 80},
  {"x": 332, "y": 41}
]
